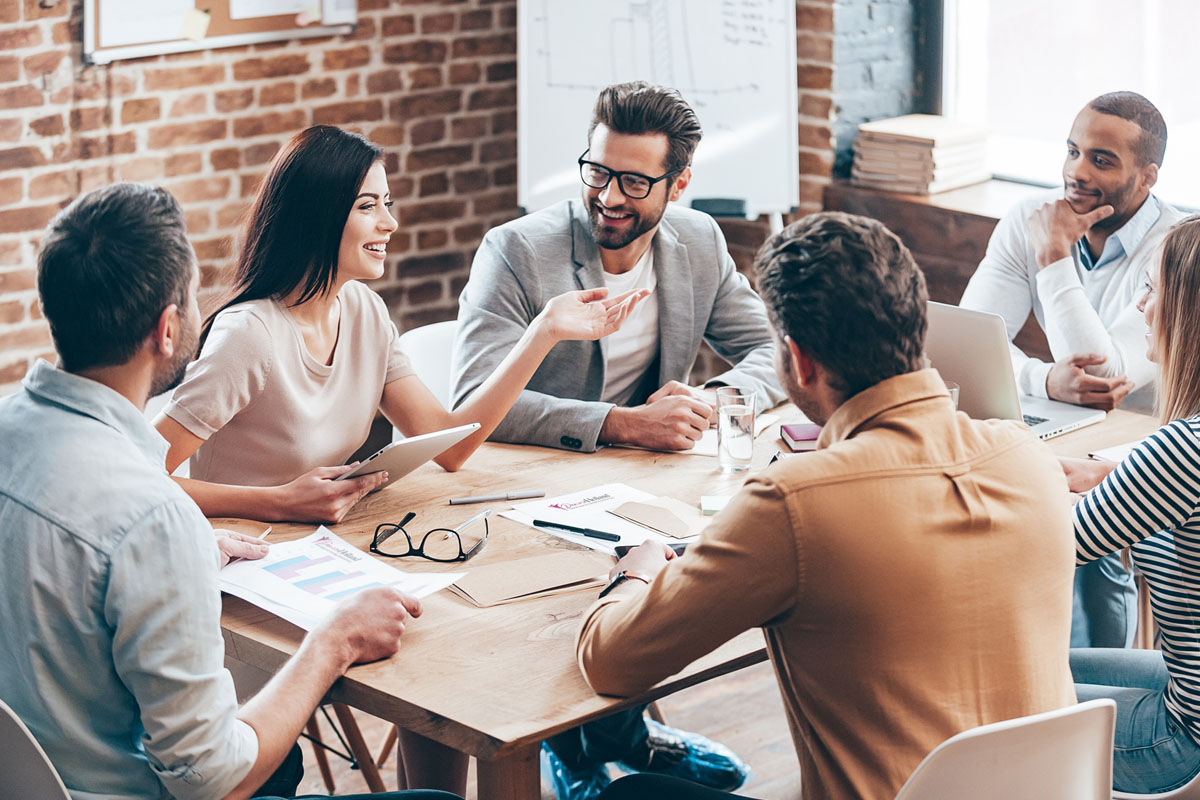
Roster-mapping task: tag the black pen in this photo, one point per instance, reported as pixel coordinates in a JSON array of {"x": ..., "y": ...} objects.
[{"x": 595, "y": 534}]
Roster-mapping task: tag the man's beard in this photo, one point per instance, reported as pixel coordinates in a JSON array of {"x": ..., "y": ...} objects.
[
  {"x": 172, "y": 373},
  {"x": 611, "y": 239}
]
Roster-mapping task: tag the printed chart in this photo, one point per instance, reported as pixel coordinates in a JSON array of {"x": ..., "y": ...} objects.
[{"x": 304, "y": 580}]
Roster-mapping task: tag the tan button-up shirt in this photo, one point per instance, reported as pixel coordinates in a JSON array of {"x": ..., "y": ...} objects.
[{"x": 913, "y": 577}]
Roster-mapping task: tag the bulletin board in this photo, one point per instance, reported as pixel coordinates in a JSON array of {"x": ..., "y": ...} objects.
[{"x": 119, "y": 29}]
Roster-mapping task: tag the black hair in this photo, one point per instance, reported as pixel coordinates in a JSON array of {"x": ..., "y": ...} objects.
[
  {"x": 1151, "y": 144},
  {"x": 849, "y": 293},
  {"x": 107, "y": 267},
  {"x": 295, "y": 226}
]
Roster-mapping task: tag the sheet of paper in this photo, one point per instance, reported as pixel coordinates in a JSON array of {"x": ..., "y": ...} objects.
[
  {"x": 194, "y": 25},
  {"x": 589, "y": 509},
  {"x": 304, "y": 580},
  {"x": 1117, "y": 452},
  {"x": 245, "y": 9},
  {"x": 125, "y": 22},
  {"x": 666, "y": 515}
]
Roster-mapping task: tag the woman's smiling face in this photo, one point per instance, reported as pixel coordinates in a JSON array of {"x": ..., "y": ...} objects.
[{"x": 368, "y": 228}]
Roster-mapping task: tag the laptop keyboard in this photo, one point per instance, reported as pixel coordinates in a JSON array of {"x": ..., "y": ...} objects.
[{"x": 1031, "y": 420}]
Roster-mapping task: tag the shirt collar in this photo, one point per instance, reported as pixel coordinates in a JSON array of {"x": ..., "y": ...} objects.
[
  {"x": 1125, "y": 239},
  {"x": 93, "y": 399},
  {"x": 861, "y": 410}
]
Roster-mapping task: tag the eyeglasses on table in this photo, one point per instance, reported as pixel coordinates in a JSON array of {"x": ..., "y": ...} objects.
[{"x": 439, "y": 544}]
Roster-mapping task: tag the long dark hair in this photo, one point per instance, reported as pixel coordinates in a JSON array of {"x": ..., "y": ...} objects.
[{"x": 295, "y": 226}]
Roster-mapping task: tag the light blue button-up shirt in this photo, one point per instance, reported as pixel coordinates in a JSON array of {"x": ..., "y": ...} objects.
[
  {"x": 1124, "y": 239},
  {"x": 110, "y": 638}
]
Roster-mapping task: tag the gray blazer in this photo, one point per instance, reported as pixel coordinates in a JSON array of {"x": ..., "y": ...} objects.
[{"x": 523, "y": 264}]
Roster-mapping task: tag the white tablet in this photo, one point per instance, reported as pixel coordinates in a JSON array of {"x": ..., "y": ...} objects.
[{"x": 402, "y": 457}]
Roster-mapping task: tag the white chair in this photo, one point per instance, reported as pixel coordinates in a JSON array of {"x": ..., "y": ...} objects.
[
  {"x": 1189, "y": 791},
  {"x": 1059, "y": 754},
  {"x": 25, "y": 771},
  {"x": 428, "y": 348}
]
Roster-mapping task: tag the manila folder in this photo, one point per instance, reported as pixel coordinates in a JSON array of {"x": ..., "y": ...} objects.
[{"x": 526, "y": 578}]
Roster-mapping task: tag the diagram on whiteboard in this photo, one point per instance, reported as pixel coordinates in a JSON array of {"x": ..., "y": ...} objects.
[{"x": 732, "y": 60}]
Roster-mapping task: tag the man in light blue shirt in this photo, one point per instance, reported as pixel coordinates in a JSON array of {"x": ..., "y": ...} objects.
[{"x": 112, "y": 652}]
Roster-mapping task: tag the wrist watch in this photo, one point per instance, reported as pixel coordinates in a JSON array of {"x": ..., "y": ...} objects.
[{"x": 622, "y": 576}]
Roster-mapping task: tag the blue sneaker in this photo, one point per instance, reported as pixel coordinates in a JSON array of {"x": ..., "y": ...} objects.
[
  {"x": 690, "y": 756},
  {"x": 569, "y": 785}
]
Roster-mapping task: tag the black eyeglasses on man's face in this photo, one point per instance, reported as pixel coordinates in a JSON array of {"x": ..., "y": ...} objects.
[
  {"x": 634, "y": 185},
  {"x": 439, "y": 544}
]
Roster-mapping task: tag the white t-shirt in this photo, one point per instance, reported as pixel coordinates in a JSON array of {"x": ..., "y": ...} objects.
[
  {"x": 267, "y": 410},
  {"x": 632, "y": 349}
]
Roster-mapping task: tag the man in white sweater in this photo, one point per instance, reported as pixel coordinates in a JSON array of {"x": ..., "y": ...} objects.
[{"x": 1079, "y": 262}]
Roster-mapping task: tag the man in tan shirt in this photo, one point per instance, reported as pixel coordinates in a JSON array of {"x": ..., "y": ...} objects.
[{"x": 881, "y": 566}]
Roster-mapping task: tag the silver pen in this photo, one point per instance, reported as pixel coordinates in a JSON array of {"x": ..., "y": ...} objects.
[{"x": 495, "y": 498}]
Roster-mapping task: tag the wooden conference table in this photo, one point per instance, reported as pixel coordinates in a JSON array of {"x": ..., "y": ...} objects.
[{"x": 494, "y": 682}]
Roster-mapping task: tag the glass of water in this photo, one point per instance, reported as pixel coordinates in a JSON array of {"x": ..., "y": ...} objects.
[{"x": 735, "y": 428}]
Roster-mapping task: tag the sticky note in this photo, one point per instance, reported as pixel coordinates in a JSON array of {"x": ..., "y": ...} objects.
[{"x": 194, "y": 25}]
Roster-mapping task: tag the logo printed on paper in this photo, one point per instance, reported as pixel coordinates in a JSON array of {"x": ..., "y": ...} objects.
[{"x": 587, "y": 501}]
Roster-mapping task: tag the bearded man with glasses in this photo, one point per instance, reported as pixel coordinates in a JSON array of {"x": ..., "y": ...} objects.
[{"x": 625, "y": 232}]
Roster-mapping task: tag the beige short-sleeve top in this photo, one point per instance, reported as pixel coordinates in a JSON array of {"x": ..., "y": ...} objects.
[{"x": 267, "y": 410}]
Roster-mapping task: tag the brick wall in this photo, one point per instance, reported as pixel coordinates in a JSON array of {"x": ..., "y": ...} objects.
[{"x": 434, "y": 83}]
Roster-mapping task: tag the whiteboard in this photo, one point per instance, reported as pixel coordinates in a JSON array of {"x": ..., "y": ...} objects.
[{"x": 734, "y": 61}]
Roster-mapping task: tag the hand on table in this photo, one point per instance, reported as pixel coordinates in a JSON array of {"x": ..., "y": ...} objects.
[
  {"x": 647, "y": 560},
  {"x": 587, "y": 314},
  {"x": 1084, "y": 473},
  {"x": 367, "y": 626},
  {"x": 677, "y": 389},
  {"x": 672, "y": 422},
  {"x": 316, "y": 497},
  {"x": 1069, "y": 382},
  {"x": 232, "y": 545},
  {"x": 1055, "y": 227}
]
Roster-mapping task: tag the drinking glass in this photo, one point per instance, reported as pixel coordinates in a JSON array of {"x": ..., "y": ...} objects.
[{"x": 735, "y": 428}]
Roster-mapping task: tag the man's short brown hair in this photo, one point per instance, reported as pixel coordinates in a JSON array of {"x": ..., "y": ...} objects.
[
  {"x": 638, "y": 107},
  {"x": 848, "y": 292}
]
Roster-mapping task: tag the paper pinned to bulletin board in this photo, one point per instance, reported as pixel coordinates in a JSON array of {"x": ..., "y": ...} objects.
[{"x": 119, "y": 29}]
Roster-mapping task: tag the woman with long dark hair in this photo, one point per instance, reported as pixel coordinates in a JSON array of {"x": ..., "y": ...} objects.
[
  {"x": 1150, "y": 502},
  {"x": 294, "y": 367}
]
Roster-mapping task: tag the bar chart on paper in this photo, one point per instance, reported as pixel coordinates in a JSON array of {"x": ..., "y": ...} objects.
[
  {"x": 303, "y": 580},
  {"x": 320, "y": 574}
]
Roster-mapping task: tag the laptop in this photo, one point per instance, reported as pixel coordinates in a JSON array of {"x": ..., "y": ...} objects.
[{"x": 971, "y": 348}]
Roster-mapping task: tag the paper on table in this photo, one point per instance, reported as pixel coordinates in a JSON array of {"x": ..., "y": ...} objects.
[
  {"x": 588, "y": 509},
  {"x": 1117, "y": 452},
  {"x": 528, "y": 578},
  {"x": 304, "y": 580},
  {"x": 666, "y": 515}
]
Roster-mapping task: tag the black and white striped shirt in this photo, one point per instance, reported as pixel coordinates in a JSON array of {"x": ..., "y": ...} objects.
[{"x": 1151, "y": 502}]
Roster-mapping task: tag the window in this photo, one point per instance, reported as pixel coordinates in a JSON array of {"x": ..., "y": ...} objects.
[{"x": 1024, "y": 68}]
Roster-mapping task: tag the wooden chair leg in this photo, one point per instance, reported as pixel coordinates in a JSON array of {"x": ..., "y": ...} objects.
[
  {"x": 358, "y": 747},
  {"x": 322, "y": 760},
  {"x": 389, "y": 744},
  {"x": 655, "y": 713}
]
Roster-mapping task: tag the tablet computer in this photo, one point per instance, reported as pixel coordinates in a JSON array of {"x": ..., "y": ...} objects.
[{"x": 402, "y": 457}]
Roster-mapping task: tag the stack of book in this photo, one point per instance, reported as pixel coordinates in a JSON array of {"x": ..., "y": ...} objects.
[{"x": 919, "y": 154}]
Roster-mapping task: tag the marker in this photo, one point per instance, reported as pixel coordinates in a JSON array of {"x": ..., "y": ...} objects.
[
  {"x": 495, "y": 498},
  {"x": 263, "y": 535},
  {"x": 595, "y": 534}
]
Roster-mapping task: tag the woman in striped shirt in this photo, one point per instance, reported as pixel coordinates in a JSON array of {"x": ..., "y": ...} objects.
[{"x": 1150, "y": 503}]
